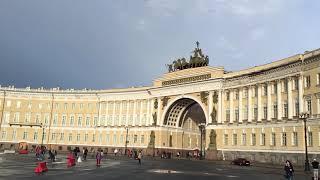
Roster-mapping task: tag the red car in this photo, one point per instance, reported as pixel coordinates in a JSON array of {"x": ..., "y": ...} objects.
[{"x": 241, "y": 162}]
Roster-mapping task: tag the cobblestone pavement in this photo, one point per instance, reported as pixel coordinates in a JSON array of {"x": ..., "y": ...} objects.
[{"x": 22, "y": 167}]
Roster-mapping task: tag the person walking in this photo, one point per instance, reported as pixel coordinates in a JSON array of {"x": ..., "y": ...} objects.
[
  {"x": 139, "y": 157},
  {"x": 85, "y": 153},
  {"x": 315, "y": 166},
  {"x": 288, "y": 168},
  {"x": 98, "y": 158}
]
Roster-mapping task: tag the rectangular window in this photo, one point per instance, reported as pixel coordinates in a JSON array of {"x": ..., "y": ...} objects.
[
  {"x": 109, "y": 120},
  {"x": 108, "y": 138},
  {"x": 236, "y": 94},
  {"x": 228, "y": 95},
  {"x": 55, "y": 120},
  {"x": 135, "y": 138},
  {"x": 78, "y": 137},
  {"x": 14, "y": 135},
  {"x": 28, "y": 117},
  {"x": 255, "y": 112},
  {"x": 102, "y": 120},
  {"x": 296, "y": 106},
  {"x": 46, "y": 119},
  {"x": 79, "y": 120},
  {"x": 225, "y": 139},
  {"x": 3, "y": 135},
  {"x": 307, "y": 81},
  {"x": 87, "y": 121},
  {"x": 93, "y": 137},
  {"x": 265, "y": 112},
  {"x": 285, "y": 110},
  {"x": 61, "y": 136},
  {"x": 142, "y": 139},
  {"x": 86, "y": 137},
  {"x": 265, "y": 89},
  {"x": 71, "y": 120},
  {"x": 16, "y": 117},
  {"x": 35, "y": 136},
  {"x": 235, "y": 139},
  {"x": 64, "y": 117},
  {"x": 244, "y": 139},
  {"x": 309, "y": 109},
  {"x": 275, "y": 88},
  {"x": 318, "y": 79},
  {"x": 296, "y": 83},
  {"x": 294, "y": 139},
  {"x": 263, "y": 139},
  {"x": 237, "y": 115},
  {"x": 285, "y": 85},
  {"x": 275, "y": 110},
  {"x": 37, "y": 119},
  {"x": 227, "y": 115},
  {"x": 18, "y": 104},
  {"x": 121, "y": 139},
  {"x": 53, "y": 136},
  {"x": 245, "y": 112},
  {"x": 95, "y": 121},
  {"x": 25, "y": 135},
  {"x": 70, "y": 137},
  {"x": 253, "y": 139},
  {"x": 284, "y": 139},
  {"x": 114, "y": 139},
  {"x": 273, "y": 139},
  {"x": 309, "y": 139},
  {"x": 65, "y": 106},
  {"x": 245, "y": 93}
]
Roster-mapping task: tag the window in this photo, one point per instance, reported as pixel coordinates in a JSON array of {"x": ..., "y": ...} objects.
[
  {"x": 123, "y": 121},
  {"x": 237, "y": 115},
  {"x": 3, "y": 135},
  {"x": 114, "y": 139},
  {"x": 244, "y": 139},
  {"x": 79, "y": 120},
  {"x": 294, "y": 139},
  {"x": 46, "y": 119},
  {"x": 25, "y": 135},
  {"x": 93, "y": 137},
  {"x": 116, "y": 120},
  {"x": 309, "y": 109},
  {"x": 87, "y": 121},
  {"x": 265, "y": 89},
  {"x": 275, "y": 110},
  {"x": 273, "y": 139},
  {"x": 265, "y": 112},
  {"x": 35, "y": 136},
  {"x": 78, "y": 137},
  {"x": 275, "y": 88},
  {"x": 318, "y": 79},
  {"x": 228, "y": 95},
  {"x": 65, "y": 106},
  {"x": 256, "y": 91},
  {"x": 307, "y": 82},
  {"x": 61, "y": 136},
  {"x": 245, "y": 92},
  {"x": 285, "y": 85},
  {"x": 234, "y": 139},
  {"x": 121, "y": 138},
  {"x": 284, "y": 139},
  {"x": 263, "y": 139},
  {"x": 285, "y": 110},
  {"x": 225, "y": 139},
  {"x": 81, "y": 105},
  {"x": 37, "y": 118},
  {"x": 296, "y": 107},
  {"x": 16, "y": 117},
  {"x": 70, "y": 137},
  {"x": 227, "y": 115},
  {"x": 55, "y": 120},
  {"x": 53, "y": 136},
  {"x": 108, "y": 138},
  {"x": 236, "y": 94},
  {"x": 86, "y": 137},
  {"x": 102, "y": 120},
  {"x": 100, "y": 138},
  {"x": 245, "y": 112},
  {"x": 27, "y": 117},
  {"x": 71, "y": 120},
  {"x": 109, "y": 120},
  {"x": 253, "y": 139},
  {"x": 95, "y": 121},
  {"x": 142, "y": 139},
  {"x": 135, "y": 138},
  {"x": 64, "y": 117},
  {"x": 309, "y": 139},
  {"x": 56, "y": 106},
  {"x": 255, "y": 112},
  {"x": 130, "y": 120},
  {"x": 14, "y": 135},
  {"x": 296, "y": 83}
]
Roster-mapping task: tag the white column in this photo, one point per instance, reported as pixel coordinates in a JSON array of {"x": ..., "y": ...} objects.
[
  {"x": 290, "y": 103},
  {"x": 141, "y": 112},
  {"x": 210, "y": 106},
  {"x": 269, "y": 105},
  {"x": 113, "y": 113},
  {"x": 259, "y": 103},
  {"x": 240, "y": 104},
  {"x": 231, "y": 99},
  {"x": 148, "y": 113},
  {"x": 120, "y": 114},
  {"x": 249, "y": 104},
  {"x": 300, "y": 90},
  {"x": 134, "y": 112},
  {"x": 158, "y": 113},
  {"x": 106, "y": 113},
  {"x": 220, "y": 106},
  {"x": 127, "y": 114},
  {"x": 279, "y": 103}
]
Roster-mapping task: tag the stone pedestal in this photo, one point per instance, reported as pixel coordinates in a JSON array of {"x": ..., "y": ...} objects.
[
  {"x": 149, "y": 151},
  {"x": 212, "y": 154}
]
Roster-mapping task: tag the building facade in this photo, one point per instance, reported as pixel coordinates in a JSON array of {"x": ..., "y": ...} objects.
[{"x": 251, "y": 113}]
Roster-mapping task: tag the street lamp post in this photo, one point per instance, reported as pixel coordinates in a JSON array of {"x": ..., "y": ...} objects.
[
  {"x": 304, "y": 116},
  {"x": 126, "y": 144},
  {"x": 42, "y": 126},
  {"x": 201, "y": 126}
]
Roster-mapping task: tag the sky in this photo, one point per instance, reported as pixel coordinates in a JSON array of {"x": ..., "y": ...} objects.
[{"x": 104, "y": 44}]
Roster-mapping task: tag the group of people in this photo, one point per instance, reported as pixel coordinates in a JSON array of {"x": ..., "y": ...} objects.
[{"x": 289, "y": 171}]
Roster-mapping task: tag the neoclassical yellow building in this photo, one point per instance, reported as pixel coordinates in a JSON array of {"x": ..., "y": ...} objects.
[{"x": 251, "y": 113}]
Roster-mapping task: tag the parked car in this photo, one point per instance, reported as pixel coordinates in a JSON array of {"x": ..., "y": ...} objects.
[{"x": 241, "y": 162}]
